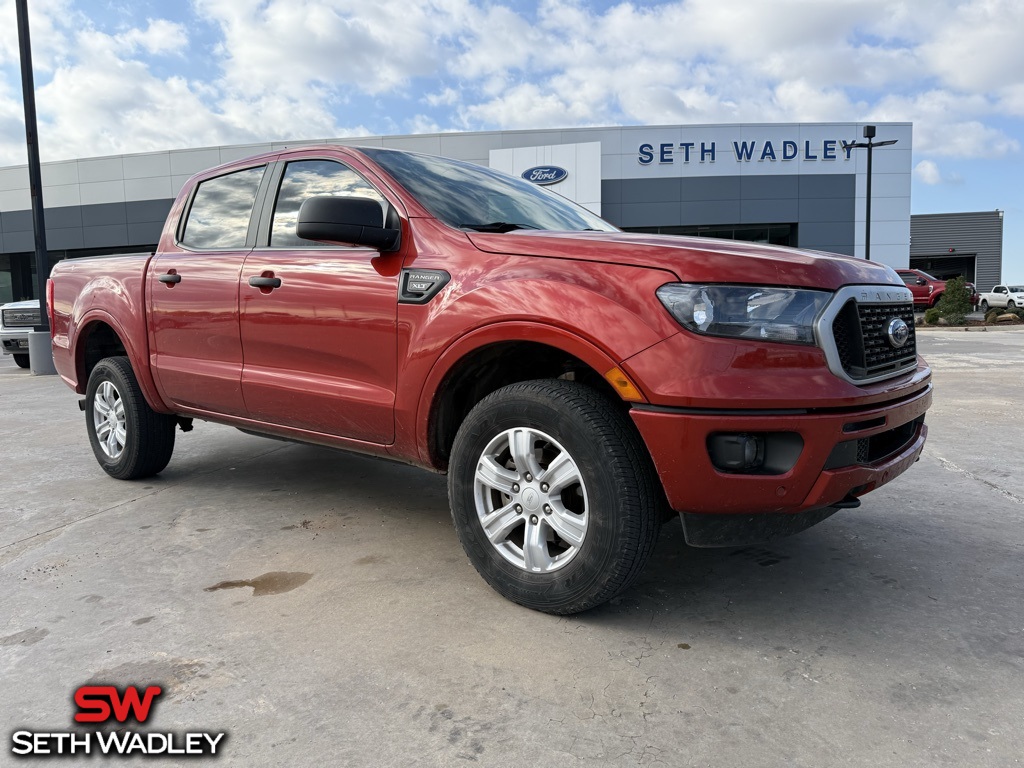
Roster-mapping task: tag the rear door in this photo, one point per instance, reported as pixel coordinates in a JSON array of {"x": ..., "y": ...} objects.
[
  {"x": 196, "y": 351},
  {"x": 318, "y": 322}
]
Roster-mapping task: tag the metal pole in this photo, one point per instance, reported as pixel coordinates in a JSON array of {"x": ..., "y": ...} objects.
[
  {"x": 867, "y": 211},
  {"x": 34, "y": 176}
]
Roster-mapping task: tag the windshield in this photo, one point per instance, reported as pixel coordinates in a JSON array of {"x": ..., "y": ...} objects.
[
  {"x": 469, "y": 196},
  {"x": 1016, "y": 289}
]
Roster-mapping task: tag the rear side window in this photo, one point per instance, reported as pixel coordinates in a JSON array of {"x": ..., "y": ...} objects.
[
  {"x": 313, "y": 178},
  {"x": 219, "y": 217}
]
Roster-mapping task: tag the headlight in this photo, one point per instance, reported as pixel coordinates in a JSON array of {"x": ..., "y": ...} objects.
[{"x": 748, "y": 312}]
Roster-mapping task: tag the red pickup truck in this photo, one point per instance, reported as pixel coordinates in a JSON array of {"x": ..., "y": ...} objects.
[{"x": 576, "y": 383}]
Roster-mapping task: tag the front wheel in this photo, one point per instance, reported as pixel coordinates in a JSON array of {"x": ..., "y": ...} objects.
[
  {"x": 130, "y": 439},
  {"x": 22, "y": 361},
  {"x": 553, "y": 495},
  {"x": 1011, "y": 304}
]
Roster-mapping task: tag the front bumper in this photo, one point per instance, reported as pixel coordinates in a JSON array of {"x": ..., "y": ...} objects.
[
  {"x": 677, "y": 440},
  {"x": 15, "y": 343}
]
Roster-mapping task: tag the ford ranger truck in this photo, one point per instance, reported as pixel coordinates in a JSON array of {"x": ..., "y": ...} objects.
[{"x": 577, "y": 384}]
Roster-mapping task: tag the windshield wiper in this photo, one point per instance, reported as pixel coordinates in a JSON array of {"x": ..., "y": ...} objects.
[{"x": 497, "y": 226}]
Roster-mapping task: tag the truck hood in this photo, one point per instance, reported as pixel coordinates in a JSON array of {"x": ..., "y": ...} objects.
[{"x": 695, "y": 259}]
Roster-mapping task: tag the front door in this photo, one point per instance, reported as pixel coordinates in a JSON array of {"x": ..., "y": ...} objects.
[{"x": 318, "y": 322}]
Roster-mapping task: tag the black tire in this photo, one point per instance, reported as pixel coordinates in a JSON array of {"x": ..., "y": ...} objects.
[
  {"x": 984, "y": 305},
  {"x": 21, "y": 360},
  {"x": 616, "y": 501},
  {"x": 148, "y": 436},
  {"x": 1011, "y": 304}
]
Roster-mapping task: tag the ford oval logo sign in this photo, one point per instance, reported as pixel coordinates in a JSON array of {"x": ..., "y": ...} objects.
[
  {"x": 898, "y": 332},
  {"x": 545, "y": 174}
]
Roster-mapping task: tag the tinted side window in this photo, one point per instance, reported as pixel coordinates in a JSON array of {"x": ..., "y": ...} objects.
[
  {"x": 909, "y": 279},
  {"x": 219, "y": 217},
  {"x": 313, "y": 178}
]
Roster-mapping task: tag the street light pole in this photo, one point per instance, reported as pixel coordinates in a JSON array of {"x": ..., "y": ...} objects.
[
  {"x": 869, "y": 134},
  {"x": 40, "y": 352}
]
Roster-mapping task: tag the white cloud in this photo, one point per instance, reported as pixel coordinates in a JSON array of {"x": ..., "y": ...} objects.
[
  {"x": 928, "y": 172},
  {"x": 160, "y": 37},
  {"x": 289, "y": 44}
]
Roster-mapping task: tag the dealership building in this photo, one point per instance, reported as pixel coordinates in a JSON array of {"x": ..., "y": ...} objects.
[{"x": 795, "y": 184}]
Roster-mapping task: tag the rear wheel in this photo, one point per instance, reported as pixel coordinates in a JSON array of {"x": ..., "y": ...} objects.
[
  {"x": 22, "y": 361},
  {"x": 553, "y": 495},
  {"x": 130, "y": 439},
  {"x": 984, "y": 305}
]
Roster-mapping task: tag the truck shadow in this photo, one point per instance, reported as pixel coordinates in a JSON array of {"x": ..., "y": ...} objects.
[{"x": 849, "y": 565}]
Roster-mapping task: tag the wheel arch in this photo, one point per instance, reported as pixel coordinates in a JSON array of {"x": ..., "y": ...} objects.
[
  {"x": 491, "y": 358},
  {"x": 100, "y": 336}
]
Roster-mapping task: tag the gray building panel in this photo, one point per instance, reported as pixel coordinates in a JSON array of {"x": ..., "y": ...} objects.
[
  {"x": 828, "y": 185},
  {"x": 612, "y": 212},
  {"x": 148, "y": 211},
  {"x": 19, "y": 242},
  {"x": 63, "y": 218},
  {"x": 711, "y": 188},
  {"x": 827, "y": 236},
  {"x": 64, "y": 239},
  {"x": 768, "y": 187},
  {"x": 611, "y": 192},
  {"x": 649, "y": 214},
  {"x": 825, "y": 209},
  {"x": 16, "y": 221},
  {"x": 976, "y": 233},
  {"x": 109, "y": 236},
  {"x": 650, "y": 190},
  {"x": 780, "y": 211},
  {"x": 103, "y": 214},
  {"x": 710, "y": 212},
  {"x": 144, "y": 233}
]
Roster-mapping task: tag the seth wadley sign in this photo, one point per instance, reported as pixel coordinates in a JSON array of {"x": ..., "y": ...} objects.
[{"x": 745, "y": 151}]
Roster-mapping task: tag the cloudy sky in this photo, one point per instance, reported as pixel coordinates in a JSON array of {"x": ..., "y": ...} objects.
[{"x": 121, "y": 76}]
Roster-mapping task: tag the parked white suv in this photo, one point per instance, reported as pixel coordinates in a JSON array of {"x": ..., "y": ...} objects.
[{"x": 16, "y": 320}]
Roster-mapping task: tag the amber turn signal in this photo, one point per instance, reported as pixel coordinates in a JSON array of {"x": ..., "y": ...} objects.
[{"x": 627, "y": 389}]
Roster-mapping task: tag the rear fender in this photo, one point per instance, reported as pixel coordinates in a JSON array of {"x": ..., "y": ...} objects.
[{"x": 137, "y": 354}]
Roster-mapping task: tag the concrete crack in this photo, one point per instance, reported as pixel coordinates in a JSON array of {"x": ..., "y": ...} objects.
[{"x": 949, "y": 465}]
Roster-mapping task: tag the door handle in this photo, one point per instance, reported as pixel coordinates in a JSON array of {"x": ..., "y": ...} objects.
[
  {"x": 265, "y": 282},
  {"x": 170, "y": 278}
]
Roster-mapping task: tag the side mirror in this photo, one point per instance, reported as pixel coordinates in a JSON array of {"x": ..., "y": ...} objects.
[
  {"x": 357, "y": 220},
  {"x": 920, "y": 280}
]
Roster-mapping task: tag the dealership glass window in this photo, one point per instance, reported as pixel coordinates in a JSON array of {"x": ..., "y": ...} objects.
[
  {"x": 772, "y": 234},
  {"x": 313, "y": 178},
  {"x": 6, "y": 285},
  {"x": 219, "y": 216}
]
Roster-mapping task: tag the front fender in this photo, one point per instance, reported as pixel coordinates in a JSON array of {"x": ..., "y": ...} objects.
[{"x": 600, "y": 314}]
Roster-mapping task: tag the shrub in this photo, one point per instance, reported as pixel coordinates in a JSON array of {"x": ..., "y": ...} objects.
[
  {"x": 992, "y": 314},
  {"x": 955, "y": 302},
  {"x": 931, "y": 316}
]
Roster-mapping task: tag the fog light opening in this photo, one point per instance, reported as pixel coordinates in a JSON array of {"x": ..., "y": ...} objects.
[{"x": 740, "y": 452}]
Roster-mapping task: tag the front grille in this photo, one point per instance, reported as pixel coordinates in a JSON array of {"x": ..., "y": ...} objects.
[
  {"x": 21, "y": 318},
  {"x": 862, "y": 341}
]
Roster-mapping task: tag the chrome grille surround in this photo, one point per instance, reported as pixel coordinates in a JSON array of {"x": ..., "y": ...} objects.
[{"x": 853, "y": 345}]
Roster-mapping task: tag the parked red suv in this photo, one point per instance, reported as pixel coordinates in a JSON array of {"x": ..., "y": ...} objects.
[{"x": 928, "y": 290}]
